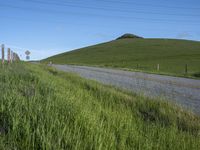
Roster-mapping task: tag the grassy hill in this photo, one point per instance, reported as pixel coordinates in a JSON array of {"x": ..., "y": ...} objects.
[
  {"x": 41, "y": 108},
  {"x": 139, "y": 54}
]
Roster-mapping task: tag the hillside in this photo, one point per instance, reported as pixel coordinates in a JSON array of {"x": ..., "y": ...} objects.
[
  {"x": 140, "y": 54},
  {"x": 42, "y": 108}
]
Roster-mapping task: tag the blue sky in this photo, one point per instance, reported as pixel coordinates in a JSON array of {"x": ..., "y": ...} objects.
[{"x": 48, "y": 27}]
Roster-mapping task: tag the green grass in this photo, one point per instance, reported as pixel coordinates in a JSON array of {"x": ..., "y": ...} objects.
[
  {"x": 172, "y": 55},
  {"x": 41, "y": 108}
]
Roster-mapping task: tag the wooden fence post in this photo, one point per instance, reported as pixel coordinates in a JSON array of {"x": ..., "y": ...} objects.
[
  {"x": 137, "y": 66},
  {"x": 8, "y": 55},
  {"x": 11, "y": 56},
  {"x": 186, "y": 68},
  {"x": 2, "y": 59},
  {"x": 15, "y": 57},
  {"x": 158, "y": 67}
]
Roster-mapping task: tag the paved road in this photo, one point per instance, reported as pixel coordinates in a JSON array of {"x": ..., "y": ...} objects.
[{"x": 185, "y": 92}]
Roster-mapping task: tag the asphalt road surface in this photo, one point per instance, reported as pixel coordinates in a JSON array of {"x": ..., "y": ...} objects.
[{"x": 182, "y": 91}]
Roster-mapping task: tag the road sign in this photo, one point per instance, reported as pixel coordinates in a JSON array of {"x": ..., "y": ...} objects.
[
  {"x": 27, "y": 57},
  {"x": 27, "y": 53}
]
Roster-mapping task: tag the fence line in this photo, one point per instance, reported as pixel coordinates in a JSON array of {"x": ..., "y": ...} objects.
[{"x": 11, "y": 55}]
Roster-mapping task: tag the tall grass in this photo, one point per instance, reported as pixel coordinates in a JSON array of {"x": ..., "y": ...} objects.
[{"x": 41, "y": 108}]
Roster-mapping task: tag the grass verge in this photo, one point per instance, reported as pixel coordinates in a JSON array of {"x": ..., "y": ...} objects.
[{"x": 42, "y": 108}]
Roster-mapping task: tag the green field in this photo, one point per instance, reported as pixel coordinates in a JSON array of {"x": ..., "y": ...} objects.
[
  {"x": 41, "y": 108},
  {"x": 139, "y": 55}
]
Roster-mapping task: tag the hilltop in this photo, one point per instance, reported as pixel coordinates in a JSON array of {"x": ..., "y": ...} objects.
[
  {"x": 129, "y": 36},
  {"x": 140, "y": 54}
]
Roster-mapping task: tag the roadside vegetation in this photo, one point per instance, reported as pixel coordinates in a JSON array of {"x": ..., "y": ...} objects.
[
  {"x": 138, "y": 54},
  {"x": 41, "y": 108}
]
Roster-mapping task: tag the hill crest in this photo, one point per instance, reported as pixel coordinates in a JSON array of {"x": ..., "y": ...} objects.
[{"x": 129, "y": 36}]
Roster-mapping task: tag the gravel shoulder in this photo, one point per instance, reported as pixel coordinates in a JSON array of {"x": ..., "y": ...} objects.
[{"x": 182, "y": 91}]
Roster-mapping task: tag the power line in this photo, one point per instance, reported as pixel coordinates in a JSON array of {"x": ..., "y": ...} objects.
[
  {"x": 91, "y": 14},
  {"x": 111, "y": 9},
  {"x": 139, "y": 20},
  {"x": 142, "y": 4}
]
